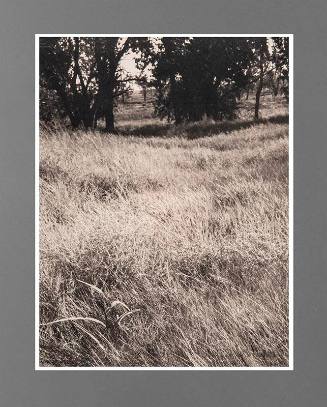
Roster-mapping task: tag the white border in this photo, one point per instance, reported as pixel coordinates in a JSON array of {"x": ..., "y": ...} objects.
[{"x": 291, "y": 216}]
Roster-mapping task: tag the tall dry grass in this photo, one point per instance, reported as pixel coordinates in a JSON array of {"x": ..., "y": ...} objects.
[{"x": 165, "y": 251}]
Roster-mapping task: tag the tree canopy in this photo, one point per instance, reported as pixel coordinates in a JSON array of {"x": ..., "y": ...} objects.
[
  {"x": 200, "y": 76},
  {"x": 86, "y": 75},
  {"x": 82, "y": 77}
]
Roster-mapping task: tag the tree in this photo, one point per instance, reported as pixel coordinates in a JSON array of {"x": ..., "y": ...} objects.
[
  {"x": 194, "y": 77},
  {"x": 67, "y": 69},
  {"x": 261, "y": 64},
  {"x": 280, "y": 58},
  {"x": 273, "y": 82},
  {"x": 50, "y": 106},
  {"x": 86, "y": 76},
  {"x": 143, "y": 82},
  {"x": 269, "y": 66},
  {"x": 108, "y": 54}
]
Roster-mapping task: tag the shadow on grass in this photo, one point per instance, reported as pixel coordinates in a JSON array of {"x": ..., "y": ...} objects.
[{"x": 195, "y": 130}]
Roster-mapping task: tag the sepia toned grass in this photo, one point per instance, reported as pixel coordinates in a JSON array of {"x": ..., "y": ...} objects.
[{"x": 165, "y": 251}]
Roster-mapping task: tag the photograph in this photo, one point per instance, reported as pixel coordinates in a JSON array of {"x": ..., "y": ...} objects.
[{"x": 164, "y": 203}]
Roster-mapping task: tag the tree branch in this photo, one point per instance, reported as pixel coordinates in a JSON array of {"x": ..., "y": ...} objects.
[
  {"x": 77, "y": 67},
  {"x": 124, "y": 48}
]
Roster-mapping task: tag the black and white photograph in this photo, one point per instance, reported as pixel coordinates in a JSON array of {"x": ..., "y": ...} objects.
[{"x": 164, "y": 206}]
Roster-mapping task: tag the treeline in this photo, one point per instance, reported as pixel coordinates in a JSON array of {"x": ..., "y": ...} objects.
[{"x": 81, "y": 78}]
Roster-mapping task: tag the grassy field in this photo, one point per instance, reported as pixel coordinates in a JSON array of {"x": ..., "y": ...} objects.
[{"x": 165, "y": 245}]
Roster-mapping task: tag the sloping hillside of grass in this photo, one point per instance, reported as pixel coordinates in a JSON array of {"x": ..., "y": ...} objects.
[{"x": 165, "y": 251}]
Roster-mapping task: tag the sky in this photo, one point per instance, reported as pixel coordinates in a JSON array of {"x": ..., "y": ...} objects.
[{"x": 128, "y": 64}]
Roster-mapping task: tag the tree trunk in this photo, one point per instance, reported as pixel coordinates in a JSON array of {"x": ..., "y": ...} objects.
[
  {"x": 144, "y": 94},
  {"x": 259, "y": 88},
  {"x": 257, "y": 99},
  {"x": 109, "y": 117},
  {"x": 87, "y": 121},
  {"x": 74, "y": 118},
  {"x": 277, "y": 86},
  {"x": 262, "y": 51},
  {"x": 109, "y": 103}
]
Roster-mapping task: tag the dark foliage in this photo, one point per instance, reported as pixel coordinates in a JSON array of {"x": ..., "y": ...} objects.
[
  {"x": 194, "y": 77},
  {"x": 197, "y": 77}
]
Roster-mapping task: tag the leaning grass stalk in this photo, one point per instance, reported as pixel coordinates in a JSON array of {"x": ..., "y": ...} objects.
[
  {"x": 91, "y": 336},
  {"x": 87, "y": 319},
  {"x": 117, "y": 302},
  {"x": 126, "y": 314},
  {"x": 93, "y": 287}
]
